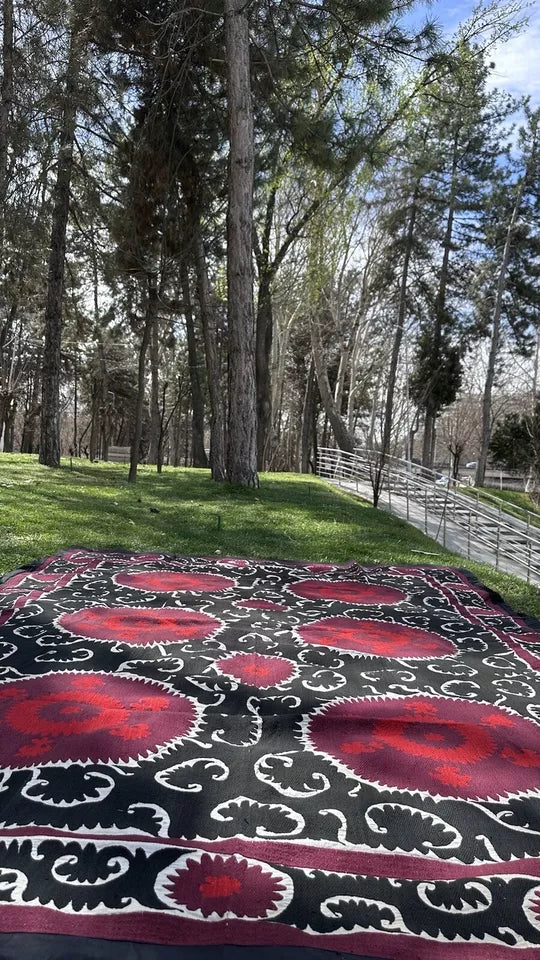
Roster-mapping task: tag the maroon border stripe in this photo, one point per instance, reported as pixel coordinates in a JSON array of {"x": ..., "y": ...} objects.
[{"x": 333, "y": 859}]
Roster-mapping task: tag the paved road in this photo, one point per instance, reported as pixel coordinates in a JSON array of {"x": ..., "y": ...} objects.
[{"x": 449, "y": 534}]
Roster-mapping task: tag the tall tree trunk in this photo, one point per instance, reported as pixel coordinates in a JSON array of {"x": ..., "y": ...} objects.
[
  {"x": 104, "y": 405},
  {"x": 536, "y": 371},
  {"x": 529, "y": 172},
  {"x": 100, "y": 422},
  {"x": 396, "y": 349},
  {"x": 495, "y": 338},
  {"x": 344, "y": 439},
  {"x": 9, "y": 426},
  {"x": 315, "y": 419},
  {"x": 149, "y": 321},
  {"x": 428, "y": 444},
  {"x": 197, "y": 401},
  {"x": 264, "y": 331},
  {"x": 155, "y": 415},
  {"x": 213, "y": 366},
  {"x": 8, "y": 358},
  {"x": 268, "y": 269},
  {"x": 264, "y": 337},
  {"x": 94, "y": 429},
  {"x": 317, "y": 281},
  {"x": 242, "y": 433},
  {"x": 6, "y": 102},
  {"x": 29, "y": 426},
  {"x": 75, "y": 446},
  {"x": 344, "y": 361},
  {"x": 49, "y": 448},
  {"x": 307, "y": 420},
  {"x": 400, "y": 327},
  {"x": 162, "y": 429},
  {"x": 431, "y": 406},
  {"x": 177, "y": 426},
  {"x": 186, "y": 432}
]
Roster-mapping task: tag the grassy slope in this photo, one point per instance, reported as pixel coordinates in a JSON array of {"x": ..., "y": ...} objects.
[
  {"x": 512, "y": 498},
  {"x": 290, "y": 516},
  {"x": 516, "y": 498}
]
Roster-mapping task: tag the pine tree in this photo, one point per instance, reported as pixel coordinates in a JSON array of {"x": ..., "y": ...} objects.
[
  {"x": 464, "y": 139},
  {"x": 49, "y": 447},
  {"x": 518, "y": 241}
]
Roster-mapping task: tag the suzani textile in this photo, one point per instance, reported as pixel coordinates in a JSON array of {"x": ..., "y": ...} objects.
[{"x": 221, "y": 751}]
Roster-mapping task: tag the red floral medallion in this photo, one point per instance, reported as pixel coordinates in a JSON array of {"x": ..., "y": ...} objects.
[
  {"x": 376, "y": 638},
  {"x": 531, "y": 907},
  {"x": 213, "y": 886},
  {"x": 64, "y": 717},
  {"x": 169, "y": 581},
  {"x": 447, "y": 747},
  {"x": 139, "y": 625},
  {"x": 347, "y": 591},
  {"x": 256, "y": 669}
]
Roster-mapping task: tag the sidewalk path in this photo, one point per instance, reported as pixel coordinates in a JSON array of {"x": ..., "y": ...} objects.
[{"x": 448, "y": 533}]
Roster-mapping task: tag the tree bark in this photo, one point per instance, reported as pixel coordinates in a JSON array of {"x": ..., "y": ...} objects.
[
  {"x": 344, "y": 439},
  {"x": 6, "y": 102},
  {"x": 495, "y": 337},
  {"x": 536, "y": 370},
  {"x": 315, "y": 444},
  {"x": 155, "y": 415},
  {"x": 268, "y": 269},
  {"x": 49, "y": 448},
  {"x": 307, "y": 420},
  {"x": 430, "y": 406},
  {"x": 177, "y": 425},
  {"x": 242, "y": 433},
  {"x": 149, "y": 321},
  {"x": 104, "y": 405},
  {"x": 9, "y": 426},
  {"x": 264, "y": 331},
  {"x": 8, "y": 360},
  {"x": 94, "y": 429},
  {"x": 197, "y": 401},
  {"x": 162, "y": 430},
  {"x": 75, "y": 442},
  {"x": 213, "y": 366},
  {"x": 29, "y": 426},
  {"x": 396, "y": 350},
  {"x": 264, "y": 337}
]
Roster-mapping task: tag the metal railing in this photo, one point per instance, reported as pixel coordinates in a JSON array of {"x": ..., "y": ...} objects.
[
  {"x": 528, "y": 517},
  {"x": 415, "y": 489}
]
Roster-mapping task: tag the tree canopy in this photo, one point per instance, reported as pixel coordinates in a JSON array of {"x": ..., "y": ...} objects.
[{"x": 232, "y": 234}]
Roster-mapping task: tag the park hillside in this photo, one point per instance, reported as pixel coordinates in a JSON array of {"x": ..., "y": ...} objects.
[
  {"x": 232, "y": 236},
  {"x": 184, "y": 512}
]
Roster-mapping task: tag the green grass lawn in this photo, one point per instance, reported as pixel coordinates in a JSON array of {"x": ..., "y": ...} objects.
[{"x": 290, "y": 516}]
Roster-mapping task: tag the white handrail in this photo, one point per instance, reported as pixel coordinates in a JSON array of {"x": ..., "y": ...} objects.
[
  {"x": 410, "y": 466},
  {"x": 515, "y": 541}
]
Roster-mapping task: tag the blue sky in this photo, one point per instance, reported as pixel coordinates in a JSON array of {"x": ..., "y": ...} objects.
[{"x": 517, "y": 61}]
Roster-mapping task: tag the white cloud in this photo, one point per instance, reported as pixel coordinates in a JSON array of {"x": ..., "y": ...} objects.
[{"x": 516, "y": 62}]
